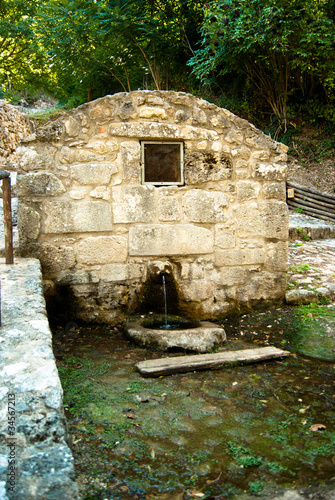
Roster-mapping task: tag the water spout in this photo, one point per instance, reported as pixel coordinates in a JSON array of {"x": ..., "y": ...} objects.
[{"x": 165, "y": 301}]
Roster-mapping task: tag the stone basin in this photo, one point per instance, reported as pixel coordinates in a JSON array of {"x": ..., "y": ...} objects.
[{"x": 204, "y": 337}]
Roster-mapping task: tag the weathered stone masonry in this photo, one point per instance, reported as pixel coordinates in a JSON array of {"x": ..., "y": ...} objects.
[{"x": 98, "y": 230}]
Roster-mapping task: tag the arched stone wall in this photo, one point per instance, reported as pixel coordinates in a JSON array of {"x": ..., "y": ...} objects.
[{"x": 98, "y": 230}]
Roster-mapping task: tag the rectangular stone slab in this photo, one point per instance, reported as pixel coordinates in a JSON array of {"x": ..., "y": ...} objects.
[{"x": 166, "y": 366}]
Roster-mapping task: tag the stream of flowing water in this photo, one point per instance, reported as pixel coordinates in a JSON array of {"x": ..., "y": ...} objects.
[{"x": 166, "y": 325}]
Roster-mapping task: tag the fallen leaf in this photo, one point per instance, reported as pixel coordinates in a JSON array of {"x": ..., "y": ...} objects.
[
  {"x": 317, "y": 427},
  {"x": 196, "y": 494},
  {"x": 136, "y": 425}
]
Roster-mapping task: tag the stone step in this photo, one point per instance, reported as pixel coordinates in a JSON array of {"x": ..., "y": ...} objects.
[{"x": 304, "y": 227}]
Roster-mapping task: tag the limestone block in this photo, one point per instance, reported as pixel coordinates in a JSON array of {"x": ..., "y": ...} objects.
[
  {"x": 263, "y": 154},
  {"x": 166, "y": 239},
  {"x": 126, "y": 110},
  {"x": 192, "y": 270},
  {"x": 152, "y": 112},
  {"x": 247, "y": 191},
  {"x": 225, "y": 236},
  {"x": 275, "y": 190},
  {"x": 161, "y": 131},
  {"x": 256, "y": 139},
  {"x": 77, "y": 217},
  {"x": 275, "y": 219},
  {"x": 36, "y": 157},
  {"x": 248, "y": 219},
  {"x": 67, "y": 155},
  {"x": 231, "y": 276},
  {"x": 181, "y": 115},
  {"x": 101, "y": 192},
  {"x": 135, "y": 271},
  {"x": 55, "y": 258},
  {"x": 239, "y": 257},
  {"x": 102, "y": 250},
  {"x": 102, "y": 112},
  {"x": 78, "y": 192},
  {"x": 205, "y": 167},
  {"x": 98, "y": 147},
  {"x": 168, "y": 209},
  {"x": 234, "y": 136},
  {"x": 39, "y": 184},
  {"x": 153, "y": 100},
  {"x": 217, "y": 146},
  {"x": 181, "y": 99},
  {"x": 204, "y": 206},
  {"x": 77, "y": 278},
  {"x": 199, "y": 116},
  {"x": 241, "y": 163},
  {"x": 268, "y": 172},
  {"x": 131, "y": 161},
  {"x": 202, "y": 145},
  {"x": 72, "y": 127},
  {"x": 263, "y": 286},
  {"x": 242, "y": 174},
  {"x": 196, "y": 290},
  {"x": 114, "y": 272},
  {"x": 29, "y": 222},
  {"x": 298, "y": 297},
  {"x": 276, "y": 256},
  {"x": 133, "y": 204},
  {"x": 93, "y": 173}
]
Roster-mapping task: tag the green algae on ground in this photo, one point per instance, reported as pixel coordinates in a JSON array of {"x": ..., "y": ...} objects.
[
  {"x": 314, "y": 331},
  {"x": 220, "y": 432}
]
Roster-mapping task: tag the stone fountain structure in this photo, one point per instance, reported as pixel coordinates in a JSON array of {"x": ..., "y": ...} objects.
[{"x": 134, "y": 183}]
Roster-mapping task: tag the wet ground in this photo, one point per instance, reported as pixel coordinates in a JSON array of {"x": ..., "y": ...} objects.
[{"x": 236, "y": 432}]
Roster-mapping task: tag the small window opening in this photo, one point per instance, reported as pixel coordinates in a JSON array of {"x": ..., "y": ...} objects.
[{"x": 162, "y": 163}]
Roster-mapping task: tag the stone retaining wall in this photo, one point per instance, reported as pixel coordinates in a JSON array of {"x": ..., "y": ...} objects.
[
  {"x": 35, "y": 459},
  {"x": 98, "y": 230}
]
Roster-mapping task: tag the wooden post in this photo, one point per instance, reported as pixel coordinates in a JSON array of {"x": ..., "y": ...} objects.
[{"x": 7, "y": 216}]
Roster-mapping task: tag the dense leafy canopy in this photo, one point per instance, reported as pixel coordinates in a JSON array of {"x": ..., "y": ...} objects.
[
  {"x": 278, "y": 47},
  {"x": 115, "y": 45},
  {"x": 276, "y": 54}
]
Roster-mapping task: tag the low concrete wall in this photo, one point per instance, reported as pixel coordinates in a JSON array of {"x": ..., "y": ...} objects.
[{"x": 35, "y": 459}]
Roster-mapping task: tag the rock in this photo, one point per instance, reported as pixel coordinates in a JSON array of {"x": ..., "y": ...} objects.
[
  {"x": 204, "y": 338},
  {"x": 297, "y": 297},
  {"x": 14, "y": 127}
]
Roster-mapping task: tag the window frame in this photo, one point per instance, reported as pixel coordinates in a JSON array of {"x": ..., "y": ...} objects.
[{"x": 181, "y": 166}]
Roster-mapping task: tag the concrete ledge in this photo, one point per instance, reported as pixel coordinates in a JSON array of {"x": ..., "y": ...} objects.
[{"x": 35, "y": 459}]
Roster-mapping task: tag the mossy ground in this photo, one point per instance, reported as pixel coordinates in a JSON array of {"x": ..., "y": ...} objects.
[{"x": 219, "y": 433}]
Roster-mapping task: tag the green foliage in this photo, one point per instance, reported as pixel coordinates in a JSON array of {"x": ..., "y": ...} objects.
[
  {"x": 23, "y": 62},
  {"x": 104, "y": 47},
  {"x": 244, "y": 456},
  {"x": 275, "y": 48},
  {"x": 301, "y": 268},
  {"x": 256, "y": 487}
]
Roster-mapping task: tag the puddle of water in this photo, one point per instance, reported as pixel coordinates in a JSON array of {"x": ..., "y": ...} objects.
[{"x": 219, "y": 433}]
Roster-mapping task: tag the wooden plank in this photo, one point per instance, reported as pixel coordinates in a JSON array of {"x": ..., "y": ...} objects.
[
  {"x": 321, "y": 214},
  {"x": 166, "y": 366},
  {"x": 314, "y": 202},
  {"x": 310, "y": 190}
]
